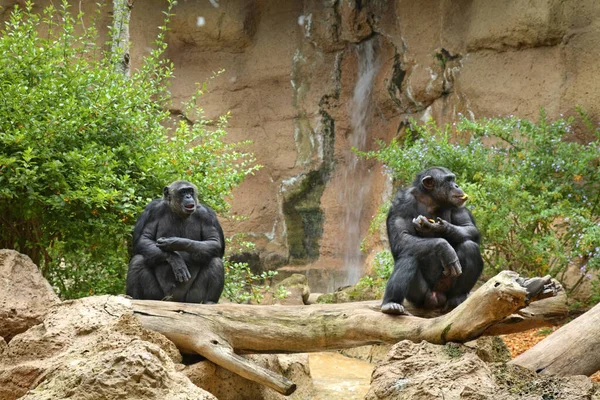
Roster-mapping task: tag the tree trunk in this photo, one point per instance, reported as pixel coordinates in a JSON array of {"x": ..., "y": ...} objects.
[
  {"x": 120, "y": 34},
  {"x": 574, "y": 349},
  {"x": 219, "y": 331}
]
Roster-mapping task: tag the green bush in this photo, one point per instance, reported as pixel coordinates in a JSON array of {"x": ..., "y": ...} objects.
[
  {"x": 241, "y": 284},
  {"x": 383, "y": 266},
  {"x": 534, "y": 191},
  {"x": 84, "y": 148}
]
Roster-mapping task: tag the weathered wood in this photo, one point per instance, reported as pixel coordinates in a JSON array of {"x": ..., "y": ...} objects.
[
  {"x": 217, "y": 331},
  {"x": 545, "y": 312},
  {"x": 216, "y": 349},
  {"x": 120, "y": 34},
  {"x": 574, "y": 349}
]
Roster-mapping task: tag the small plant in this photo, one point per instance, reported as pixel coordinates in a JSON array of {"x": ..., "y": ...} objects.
[
  {"x": 383, "y": 266},
  {"x": 282, "y": 293},
  {"x": 544, "y": 331},
  {"x": 534, "y": 191},
  {"x": 241, "y": 284},
  {"x": 453, "y": 350}
]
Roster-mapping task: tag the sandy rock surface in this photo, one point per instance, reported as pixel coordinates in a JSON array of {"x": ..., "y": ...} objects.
[
  {"x": 426, "y": 371},
  {"x": 25, "y": 296},
  {"x": 93, "y": 348}
]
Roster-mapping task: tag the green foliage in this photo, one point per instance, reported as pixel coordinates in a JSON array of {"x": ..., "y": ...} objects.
[
  {"x": 282, "y": 293},
  {"x": 453, "y": 350},
  {"x": 84, "y": 148},
  {"x": 241, "y": 284},
  {"x": 383, "y": 266},
  {"x": 544, "y": 331},
  {"x": 534, "y": 191},
  {"x": 375, "y": 225}
]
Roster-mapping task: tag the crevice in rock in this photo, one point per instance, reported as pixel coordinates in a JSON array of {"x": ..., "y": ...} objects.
[
  {"x": 396, "y": 81},
  {"x": 301, "y": 195},
  {"x": 301, "y": 204}
]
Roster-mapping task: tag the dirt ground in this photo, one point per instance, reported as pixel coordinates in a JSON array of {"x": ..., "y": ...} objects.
[{"x": 518, "y": 343}]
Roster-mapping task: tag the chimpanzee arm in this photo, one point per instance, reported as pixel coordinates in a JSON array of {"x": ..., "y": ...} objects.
[
  {"x": 406, "y": 243},
  {"x": 144, "y": 235},
  {"x": 461, "y": 227},
  {"x": 212, "y": 244},
  {"x": 458, "y": 228}
]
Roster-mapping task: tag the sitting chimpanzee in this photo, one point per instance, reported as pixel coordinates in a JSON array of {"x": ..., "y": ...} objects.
[
  {"x": 178, "y": 247},
  {"x": 435, "y": 244}
]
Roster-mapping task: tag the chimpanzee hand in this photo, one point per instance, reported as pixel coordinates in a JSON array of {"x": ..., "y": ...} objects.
[
  {"x": 180, "y": 269},
  {"x": 426, "y": 226},
  {"x": 169, "y": 243},
  {"x": 450, "y": 261}
]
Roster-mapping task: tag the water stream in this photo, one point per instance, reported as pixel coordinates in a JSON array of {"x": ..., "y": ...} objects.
[
  {"x": 339, "y": 377},
  {"x": 355, "y": 178}
]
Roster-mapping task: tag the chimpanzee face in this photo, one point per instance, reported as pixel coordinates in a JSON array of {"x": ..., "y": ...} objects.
[
  {"x": 442, "y": 186},
  {"x": 181, "y": 196},
  {"x": 187, "y": 200}
]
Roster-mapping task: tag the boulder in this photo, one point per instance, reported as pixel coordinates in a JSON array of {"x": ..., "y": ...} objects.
[
  {"x": 293, "y": 290},
  {"x": 490, "y": 349},
  {"x": 427, "y": 371},
  {"x": 25, "y": 296},
  {"x": 93, "y": 348},
  {"x": 578, "y": 281},
  {"x": 348, "y": 294},
  {"x": 226, "y": 385}
]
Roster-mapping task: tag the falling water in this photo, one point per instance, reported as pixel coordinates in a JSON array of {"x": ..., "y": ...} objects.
[{"x": 355, "y": 179}]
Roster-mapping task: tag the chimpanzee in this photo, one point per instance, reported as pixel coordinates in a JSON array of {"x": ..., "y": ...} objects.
[
  {"x": 178, "y": 246},
  {"x": 435, "y": 244}
]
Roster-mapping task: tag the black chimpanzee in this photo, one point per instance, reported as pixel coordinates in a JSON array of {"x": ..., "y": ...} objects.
[
  {"x": 178, "y": 246},
  {"x": 435, "y": 244}
]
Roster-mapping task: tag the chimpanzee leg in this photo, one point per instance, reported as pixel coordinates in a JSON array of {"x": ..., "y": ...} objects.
[
  {"x": 405, "y": 282},
  {"x": 141, "y": 281},
  {"x": 209, "y": 283},
  {"x": 472, "y": 265}
]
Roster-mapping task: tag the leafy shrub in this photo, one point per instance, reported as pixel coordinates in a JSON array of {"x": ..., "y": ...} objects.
[
  {"x": 241, "y": 284},
  {"x": 84, "y": 148},
  {"x": 383, "y": 266},
  {"x": 534, "y": 191}
]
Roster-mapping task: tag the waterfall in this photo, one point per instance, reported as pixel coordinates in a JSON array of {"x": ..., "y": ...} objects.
[{"x": 356, "y": 182}]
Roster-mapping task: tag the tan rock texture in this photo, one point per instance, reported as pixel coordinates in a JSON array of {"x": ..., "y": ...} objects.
[
  {"x": 93, "y": 348},
  {"x": 425, "y": 371},
  {"x": 296, "y": 84},
  {"x": 25, "y": 296}
]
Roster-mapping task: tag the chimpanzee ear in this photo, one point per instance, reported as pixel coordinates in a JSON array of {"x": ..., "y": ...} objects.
[
  {"x": 428, "y": 182},
  {"x": 166, "y": 192}
]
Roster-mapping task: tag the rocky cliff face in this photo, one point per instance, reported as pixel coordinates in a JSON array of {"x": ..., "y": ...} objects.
[{"x": 307, "y": 80}]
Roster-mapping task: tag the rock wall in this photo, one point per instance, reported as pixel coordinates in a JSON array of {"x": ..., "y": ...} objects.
[{"x": 307, "y": 80}]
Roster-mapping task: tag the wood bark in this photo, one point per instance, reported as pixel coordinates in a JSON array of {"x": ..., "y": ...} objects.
[
  {"x": 574, "y": 349},
  {"x": 219, "y": 331},
  {"x": 120, "y": 34}
]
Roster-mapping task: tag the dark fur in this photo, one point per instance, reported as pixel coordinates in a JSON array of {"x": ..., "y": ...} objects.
[
  {"x": 437, "y": 263},
  {"x": 177, "y": 255}
]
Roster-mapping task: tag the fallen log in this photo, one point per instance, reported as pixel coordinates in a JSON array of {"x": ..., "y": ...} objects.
[
  {"x": 571, "y": 350},
  {"x": 222, "y": 331}
]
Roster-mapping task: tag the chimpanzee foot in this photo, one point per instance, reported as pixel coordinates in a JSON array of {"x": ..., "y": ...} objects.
[{"x": 393, "y": 308}]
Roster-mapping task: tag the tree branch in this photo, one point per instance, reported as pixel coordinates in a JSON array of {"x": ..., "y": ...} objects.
[{"x": 216, "y": 331}]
